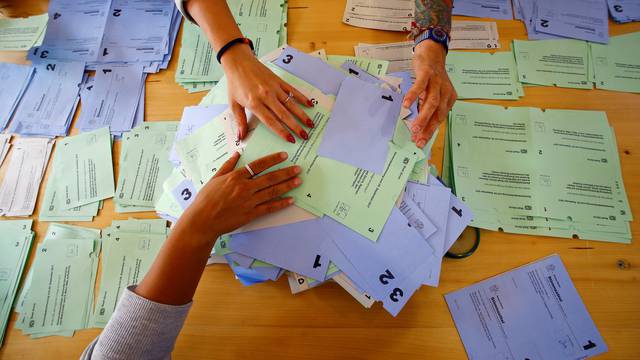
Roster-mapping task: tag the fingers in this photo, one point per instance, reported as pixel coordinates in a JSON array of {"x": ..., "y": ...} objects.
[
  {"x": 274, "y": 192},
  {"x": 296, "y": 94},
  {"x": 274, "y": 178},
  {"x": 265, "y": 163},
  {"x": 293, "y": 107},
  {"x": 418, "y": 88},
  {"x": 429, "y": 106},
  {"x": 276, "y": 106},
  {"x": 270, "y": 120},
  {"x": 272, "y": 206},
  {"x": 228, "y": 165},
  {"x": 241, "y": 119}
]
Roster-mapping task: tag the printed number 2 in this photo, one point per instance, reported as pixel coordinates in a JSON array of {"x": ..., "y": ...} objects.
[
  {"x": 385, "y": 277},
  {"x": 51, "y": 67},
  {"x": 287, "y": 59},
  {"x": 186, "y": 194}
]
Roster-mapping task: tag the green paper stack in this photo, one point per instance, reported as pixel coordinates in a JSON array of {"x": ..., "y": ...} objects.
[
  {"x": 616, "y": 65},
  {"x": 15, "y": 242},
  {"x": 144, "y": 165},
  {"x": 57, "y": 297},
  {"x": 129, "y": 247},
  {"x": 554, "y": 172},
  {"x": 263, "y": 22}
]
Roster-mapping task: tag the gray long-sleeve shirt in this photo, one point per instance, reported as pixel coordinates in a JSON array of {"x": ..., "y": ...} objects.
[{"x": 138, "y": 329}]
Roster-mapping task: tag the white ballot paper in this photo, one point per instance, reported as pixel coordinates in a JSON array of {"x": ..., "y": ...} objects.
[
  {"x": 474, "y": 35},
  {"x": 532, "y": 312}
]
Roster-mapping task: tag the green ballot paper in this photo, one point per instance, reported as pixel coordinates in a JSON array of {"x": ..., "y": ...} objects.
[
  {"x": 21, "y": 34},
  {"x": 372, "y": 66},
  {"x": 617, "y": 65},
  {"x": 562, "y": 63},
  {"x": 477, "y": 75},
  {"x": 144, "y": 164}
]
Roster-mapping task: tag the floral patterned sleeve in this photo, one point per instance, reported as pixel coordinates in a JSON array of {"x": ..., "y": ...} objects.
[{"x": 433, "y": 13}]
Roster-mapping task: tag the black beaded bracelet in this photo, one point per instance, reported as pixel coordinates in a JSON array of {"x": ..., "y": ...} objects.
[{"x": 230, "y": 44}]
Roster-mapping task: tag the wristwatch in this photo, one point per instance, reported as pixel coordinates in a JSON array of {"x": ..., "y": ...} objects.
[{"x": 435, "y": 34}]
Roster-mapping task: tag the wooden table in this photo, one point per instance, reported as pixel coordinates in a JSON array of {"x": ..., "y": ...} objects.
[{"x": 230, "y": 321}]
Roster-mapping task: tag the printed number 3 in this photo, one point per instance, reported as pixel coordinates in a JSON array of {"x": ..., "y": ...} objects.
[
  {"x": 397, "y": 292},
  {"x": 186, "y": 194},
  {"x": 287, "y": 59}
]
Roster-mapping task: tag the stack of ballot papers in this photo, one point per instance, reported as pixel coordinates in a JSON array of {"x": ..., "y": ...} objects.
[
  {"x": 264, "y": 22},
  {"x": 393, "y": 15},
  {"x": 144, "y": 165},
  {"x": 15, "y": 79},
  {"x": 5, "y": 145},
  {"x": 496, "y": 9},
  {"x": 615, "y": 66},
  {"x": 110, "y": 31},
  {"x": 81, "y": 177},
  {"x": 49, "y": 103},
  {"x": 19, "y": 34},
  {"x": 532, "y": 312},
  {"x": 624, "y": 11},
  {"x": 372, "y": 218},
  {"x": 24, "y": 174},
  {"x": 553, "y": 172},
  {"x": 15, "y": 243},
  {"x": 129, "y": 247},
  {"x": 577, "y": 19},
  {"x": 58, "y": 294}
]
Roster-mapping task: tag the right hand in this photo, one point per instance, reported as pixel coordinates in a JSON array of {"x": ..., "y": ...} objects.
[
  {"x": 233, "y": 198},
  {"x": 253, "y": 86}
]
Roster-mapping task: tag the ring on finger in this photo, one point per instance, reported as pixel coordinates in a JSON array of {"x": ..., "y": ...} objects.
[
  {"x": 289, "y": 97},
  {"x": 251, "y": 172}
]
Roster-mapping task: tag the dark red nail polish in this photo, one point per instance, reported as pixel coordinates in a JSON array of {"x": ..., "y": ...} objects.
[
  {"x": 291, "y": 139},
  {"x": 304, "y": 135},
  {"x": 309, "y": 103},
  {"x": 310, "y": 123}
]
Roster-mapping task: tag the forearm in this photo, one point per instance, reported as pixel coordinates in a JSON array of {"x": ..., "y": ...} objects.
[
  {"x": 435, "y": 13},
  {"x": 215, "y": 20}
]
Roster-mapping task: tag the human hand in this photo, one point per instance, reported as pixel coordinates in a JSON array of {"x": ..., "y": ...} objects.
[
  {"x": 233, "y": 198},
  {"x": 254, "y": 86},
  {"x": 433, "y": 88}
]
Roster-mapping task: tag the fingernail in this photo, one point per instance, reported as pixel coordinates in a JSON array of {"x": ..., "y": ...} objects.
[
  {"x": 304, "y": 135},
  {"x": 284, "y": 155},
  {"x": 297, "y": 169},
  {"x": 291, "y": 139},
  {"x": 310, "y": 123},
  {"x": 309, "y": 103},
  {"x": 421, "y": 143},
  {"x": 297, "y": 181},
  {"x": 290, "y": 201}
]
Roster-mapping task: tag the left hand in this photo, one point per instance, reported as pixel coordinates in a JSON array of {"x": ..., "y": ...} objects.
[{"x": 433, "y": 88}]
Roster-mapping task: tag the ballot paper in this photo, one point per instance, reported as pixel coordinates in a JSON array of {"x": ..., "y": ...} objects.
[
  {"x": 5, "y": 145},
  {"x": 624, "y": 11},
  {"x": 15, "y": 79},
  {"x": 375, "y": 67},
  {"x": 263, "y": 22},
  {"x": 114, "y": 98},
  {"x": 528, "y": 9},
  {"x": 474, "y": 35},
  {"x": 562, "y": 63},
  {"x": 531, "y": 312},
  {"x": 129, "y": 247},
  {"x": 553, "y": 172},
  {"x": 22, "y": 179},
  {"x": 496, "y": 9},
  {"x": 578, "y": 19},
  {"x": 616, "y": 64},
  {"x": 312, "y": 70},
  {"x": 484, "y": 75},
  {"x": 49, "y": 102},
  {"x": 21, "y": 33},
  {"x": 144, "y": 164},
  {"x": 15, "y": 243},
  {"x": 399, "y": 55},
  {"x": 393, "y": 15},
  {"x": 193, "y": 118},
  {"x": 58, "y": 294}
]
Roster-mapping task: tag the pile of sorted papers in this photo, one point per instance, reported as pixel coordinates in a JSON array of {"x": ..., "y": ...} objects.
[
  {"x": 393, "y": 15},
  {"x": 371, "y": 216},
  {"x": 552, "y": 172},
  {"x": 15, "y": 243},
  {"x": 263, "y": 22},
  {"x": 624, "y": 11}
]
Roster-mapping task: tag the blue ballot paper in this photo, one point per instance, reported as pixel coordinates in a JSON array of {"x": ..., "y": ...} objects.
[
  {"x": 532, "y": 312},
  {"x": 405, "y": 86},
  {"x": 246, "y": 276},
  {"x": 578, "y": 19},
  {"x": 311, "y": 69},
  {"x": 193, "y": 118},
  {"x": 387, "y": 269},
  {"x": 276, "y": 245},
  {"x": 48, "y": 105},
  {"x": 356, "y": 71},
  {"x": 361, "y": 125},
  {"x": 496, "y": 9},
  {"x": 529, "y": 11},
  {"x": 459, "y": 217},
  {"x": 624, "y": 11},
  {"x": 15, "y": 79},
  {"x": 113, "y": 99},
  {"x": 242, "y": 260}
]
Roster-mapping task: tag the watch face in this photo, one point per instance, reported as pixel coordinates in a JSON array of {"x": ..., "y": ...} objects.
[{"x": 439, "y": 34}]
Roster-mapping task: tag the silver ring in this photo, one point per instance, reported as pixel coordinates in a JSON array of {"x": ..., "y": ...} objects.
[
  {"x": 287, "y": 99},
  {"x": 250, "y": 170}
]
